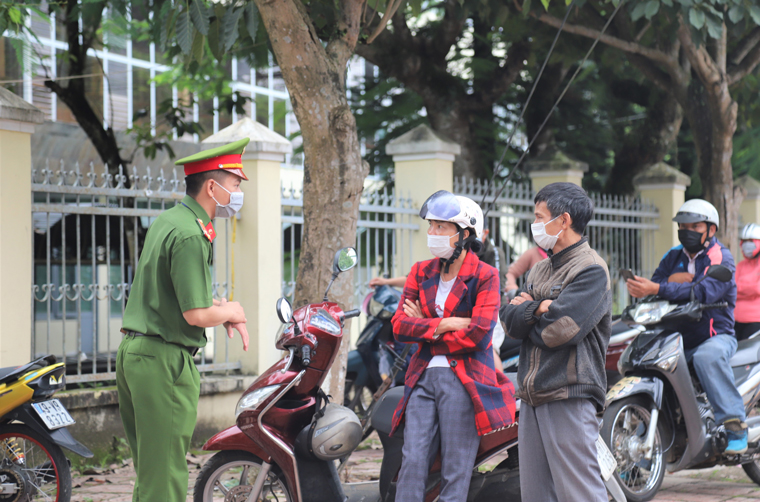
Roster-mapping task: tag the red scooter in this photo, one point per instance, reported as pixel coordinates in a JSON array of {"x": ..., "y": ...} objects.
[{"x": 286, "y": 441}]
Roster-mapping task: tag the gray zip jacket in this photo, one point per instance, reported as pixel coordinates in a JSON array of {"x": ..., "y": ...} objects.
[{"x": 563, "y": 352}]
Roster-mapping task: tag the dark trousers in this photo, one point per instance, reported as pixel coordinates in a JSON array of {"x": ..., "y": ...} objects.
[
  {"x": 745, "y": 329},
  {"x": 439, "y": 412},
  {"x": 558, "y": 452}
]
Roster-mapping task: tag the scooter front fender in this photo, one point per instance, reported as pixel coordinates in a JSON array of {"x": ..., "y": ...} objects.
[
  {"x": 631, "y": 385},
  {"x": 233, "y": 438}
]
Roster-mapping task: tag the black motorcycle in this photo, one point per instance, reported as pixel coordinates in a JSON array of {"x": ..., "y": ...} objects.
[
  {"x": 658, "y": 416},
  {"x": 376, "y": 350}
]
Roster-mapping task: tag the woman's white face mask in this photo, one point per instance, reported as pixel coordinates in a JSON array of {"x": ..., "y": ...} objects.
[{"x": 440, "y": 245}]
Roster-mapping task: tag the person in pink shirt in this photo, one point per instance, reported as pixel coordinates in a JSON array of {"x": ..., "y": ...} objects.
[
  {"x": 747, "y": 311},
  {"x": 523, "y": 264}
]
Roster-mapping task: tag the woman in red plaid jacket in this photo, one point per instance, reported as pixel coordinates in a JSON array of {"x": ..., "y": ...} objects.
[{"x": 452, "y": 392}]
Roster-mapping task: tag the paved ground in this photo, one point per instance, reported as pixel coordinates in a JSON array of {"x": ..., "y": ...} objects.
[{"x": 114, "y": 484}]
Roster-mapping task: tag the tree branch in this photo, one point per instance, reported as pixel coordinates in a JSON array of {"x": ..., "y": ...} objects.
[
  {"x": 747, "y": 66},
  {"x": 745, "y": 45},
  {"x": 624, "y": 45},
  {"x": 699, "y": 58},
  {"x": 503, "y": 77},
  {"x": 448, "y": 31}
]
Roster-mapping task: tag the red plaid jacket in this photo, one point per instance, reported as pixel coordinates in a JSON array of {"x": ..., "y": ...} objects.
[{"x": 475, "y": 294}]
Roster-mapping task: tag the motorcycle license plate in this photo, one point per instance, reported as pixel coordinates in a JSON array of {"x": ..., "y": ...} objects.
[
  {"x": 54, "y": 414},
  {"x": 607, "y": 462}
]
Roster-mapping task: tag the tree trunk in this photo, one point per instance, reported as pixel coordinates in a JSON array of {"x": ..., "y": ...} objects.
[
  {"x": 648, "y": 144},
  {"x": 74, "y": 94},
  {"x": 712, "y": 116},
  {"x": 334, "y": 171}
]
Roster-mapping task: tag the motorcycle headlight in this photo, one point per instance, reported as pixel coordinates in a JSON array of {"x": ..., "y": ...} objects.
[
  {"x": 324, "y": 321},
  {"x": 251, "y": 401},
  {"x": 375, "y": 308},
  {"x": 650, "y": 313},
  {"x": 667, "y": 358}
]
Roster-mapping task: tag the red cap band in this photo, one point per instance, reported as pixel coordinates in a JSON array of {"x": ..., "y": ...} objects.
[{"x": 231, "y": 163}]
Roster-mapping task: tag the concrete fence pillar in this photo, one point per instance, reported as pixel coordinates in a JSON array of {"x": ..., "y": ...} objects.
[
  {"x": 255, "y": 257},
  {"x": 17, "y": 121},
  {"x": 749, "y": 210},
  {"x": 664, "y": 186},
  {"x": 424, "y": 164},
  {"x": 553, "y": 166}
]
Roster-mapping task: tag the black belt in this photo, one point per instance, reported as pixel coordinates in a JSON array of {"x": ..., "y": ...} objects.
[{"x": 191, "y": 350}]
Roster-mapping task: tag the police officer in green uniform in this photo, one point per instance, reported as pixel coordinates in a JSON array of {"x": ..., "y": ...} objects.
[{"x": 170, "y": 305}]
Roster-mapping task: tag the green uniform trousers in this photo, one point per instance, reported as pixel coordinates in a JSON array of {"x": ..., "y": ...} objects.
[{"x": 158, "y": 386}]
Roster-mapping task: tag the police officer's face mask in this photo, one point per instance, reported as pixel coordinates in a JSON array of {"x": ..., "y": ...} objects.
[{"x": 231, "y": 209}]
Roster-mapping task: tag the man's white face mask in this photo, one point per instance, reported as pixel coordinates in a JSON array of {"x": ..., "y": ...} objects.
[
  {"x": 231, "y": 209},
  {"x": 543, "y": 239}
]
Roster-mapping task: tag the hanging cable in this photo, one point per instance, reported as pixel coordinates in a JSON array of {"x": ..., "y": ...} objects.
[
  {"x": 548, "y": 116},
  {"x": 525, "y": 106}
]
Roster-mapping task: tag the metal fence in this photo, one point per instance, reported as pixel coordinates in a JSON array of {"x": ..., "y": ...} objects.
[
  {"x": 383, "y": 238},
  {"x": 89, "y": 227},
  {"x": 621, "y": 231}
]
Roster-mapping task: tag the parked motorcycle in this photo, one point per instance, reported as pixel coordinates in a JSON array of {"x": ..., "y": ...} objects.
[
  {"x": 658, "y": 417},
  {"x": 286, "y": 439},
  {"x": 32, "y": 432},
  {"x": 376, "y": 350}
]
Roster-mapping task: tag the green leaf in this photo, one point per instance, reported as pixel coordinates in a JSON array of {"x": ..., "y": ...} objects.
[
  {"x": 638, "y": 11},
  {"x": 754, "y": 11},
  {"x": 230, "y": 20},
  {"x": 251, "y": 19},
  {"x": 616, "y": 3},
  {"x": 199, "y": 15},
  {"x": 526, "y": 7},
  {"x": 567, "y": 2},
  {"x": 545, "y": 3},
  {"x": 184, "y": 33},
  {"x": 652, "y": 8},
  {"x": 198, "y": 41},
  {"x": 714, "y": 27},
  {"x": 15, "y": 15},
  {"x": 697, "y": 18},
  {"x": 736, "y": 13},
  {"x": 669, "y": 3},
  {"x": 216, "y": 32}
]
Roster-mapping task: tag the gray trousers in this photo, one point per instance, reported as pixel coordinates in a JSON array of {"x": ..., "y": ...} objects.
[
  {"x": 439, "y": 412},
  {"x": 558, "y": 452}
]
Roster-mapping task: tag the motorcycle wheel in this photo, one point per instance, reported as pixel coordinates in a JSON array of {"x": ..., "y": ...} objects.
[
  {"x": 34, "y": 464},
  {"x": 229, "y": 476},
  {"x": 626, "y": 423},
  {"x": 358, "y": 397}
]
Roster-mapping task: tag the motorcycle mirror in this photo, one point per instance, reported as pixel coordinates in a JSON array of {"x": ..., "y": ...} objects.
[
  {"x": 720, "y": 273},
  {"x": 284, "y": 310},
  {"x": 717, "y": 272},
  {"x": 345, "y": 259}
]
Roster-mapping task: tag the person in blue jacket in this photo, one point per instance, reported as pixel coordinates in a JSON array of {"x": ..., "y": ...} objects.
[{"x": 711, "y": 342}]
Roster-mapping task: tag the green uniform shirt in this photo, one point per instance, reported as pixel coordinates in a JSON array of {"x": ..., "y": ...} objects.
[{"x": 173, "y": 276}]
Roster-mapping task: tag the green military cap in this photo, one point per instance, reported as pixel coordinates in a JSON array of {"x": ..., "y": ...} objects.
[{"x": 228, "y": 157}]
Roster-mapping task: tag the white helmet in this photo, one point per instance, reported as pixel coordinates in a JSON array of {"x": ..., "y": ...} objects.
[
  {"x": 751, "y": 231},
  {"x": 462, "y": 211},
  {"x": 696, "y": 210}
]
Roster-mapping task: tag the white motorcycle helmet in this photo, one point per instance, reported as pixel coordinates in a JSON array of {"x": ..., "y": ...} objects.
[
  {"x": 696, "y": 210},
  {"x": 462, "y": 211},
  {"x": 750, "y": 232},
  {"x": 335, "y": 433}
]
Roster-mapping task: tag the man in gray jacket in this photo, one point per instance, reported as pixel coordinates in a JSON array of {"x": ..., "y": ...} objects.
[{"x": 563, "y": 320}]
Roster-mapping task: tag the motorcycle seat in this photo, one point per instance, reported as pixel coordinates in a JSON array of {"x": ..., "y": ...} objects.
[
  {"x": 747, "y": 352},
  {"x": 382, "y": 418}
]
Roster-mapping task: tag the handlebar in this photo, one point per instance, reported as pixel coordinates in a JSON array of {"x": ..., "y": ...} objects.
[
  {"x": 306, "y": 355},
  {"x": 352, "y": 313},
  {"x": 721, "y": 305}
]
